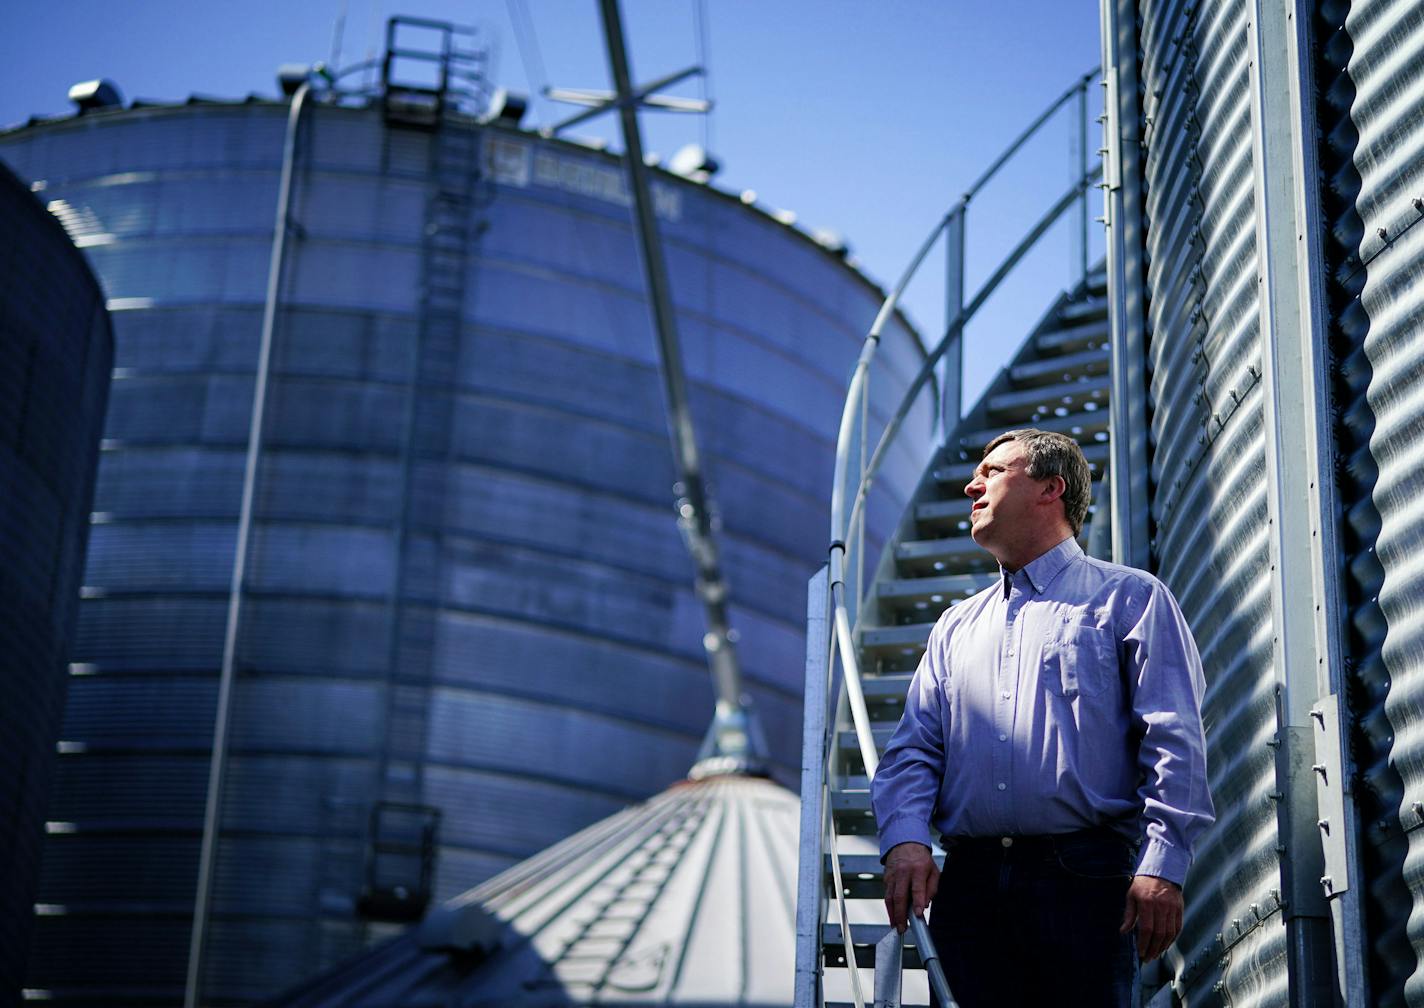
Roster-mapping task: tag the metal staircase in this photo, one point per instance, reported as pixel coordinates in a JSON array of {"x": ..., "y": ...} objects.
[{"x": 862, "y": 652}]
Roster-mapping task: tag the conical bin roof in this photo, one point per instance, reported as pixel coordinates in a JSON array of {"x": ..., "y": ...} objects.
[{"x": 686, "y": 899}]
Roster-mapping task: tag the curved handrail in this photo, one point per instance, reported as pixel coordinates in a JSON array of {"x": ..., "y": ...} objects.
[
  {"x": 1030, "y": 130},
  {"x": 955, "y": 329}
]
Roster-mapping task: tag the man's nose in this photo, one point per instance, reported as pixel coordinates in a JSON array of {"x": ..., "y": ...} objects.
[{"x": 972, "y": 488}]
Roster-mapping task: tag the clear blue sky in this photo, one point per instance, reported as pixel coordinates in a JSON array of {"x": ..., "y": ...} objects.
[{"x": 867, "y": 117}]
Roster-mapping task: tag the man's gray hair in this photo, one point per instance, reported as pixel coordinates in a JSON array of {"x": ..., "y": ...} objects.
[{"x": 1053, "y": 454}]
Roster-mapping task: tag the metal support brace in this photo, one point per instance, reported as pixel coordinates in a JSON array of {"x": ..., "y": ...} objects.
[
  {"x": 950, "y": 405},
  {"x": 814, "y": 740},
  {"x": 1301, "y": 507},
  {"x": 889, "y": 969},
  {"x": 1124, "y": 216}
]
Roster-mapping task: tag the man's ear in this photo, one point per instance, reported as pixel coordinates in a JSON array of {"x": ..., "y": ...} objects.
[{"x": 1053, "y": 488}]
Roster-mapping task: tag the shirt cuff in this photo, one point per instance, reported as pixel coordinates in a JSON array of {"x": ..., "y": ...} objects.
[
  {"x": 1162, "y": 860},
  {"x": 903, "y": 829}
]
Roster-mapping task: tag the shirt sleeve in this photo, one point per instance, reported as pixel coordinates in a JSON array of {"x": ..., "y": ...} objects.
[
  {"x": 907, "y": 783},
  {"x": 1164, "y": 674}
]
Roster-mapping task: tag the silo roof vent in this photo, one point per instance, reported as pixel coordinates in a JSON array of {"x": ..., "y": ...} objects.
[
  {"x": 693, "y": 162},
  {"x": 96, "y": 94}
]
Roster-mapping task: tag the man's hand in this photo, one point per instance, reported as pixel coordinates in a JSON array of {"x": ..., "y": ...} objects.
[
  {"x": 911, "y": 880},
  {"x": 1153, "y": 904}
]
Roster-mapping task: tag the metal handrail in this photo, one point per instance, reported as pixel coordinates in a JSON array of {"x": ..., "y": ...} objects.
[
  {"x": 955, "y": 330},
  {"x": 846, "y": 548}
]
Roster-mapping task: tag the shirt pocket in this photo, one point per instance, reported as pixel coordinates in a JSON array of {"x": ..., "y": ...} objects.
[{"x": 1079, "y": 660}]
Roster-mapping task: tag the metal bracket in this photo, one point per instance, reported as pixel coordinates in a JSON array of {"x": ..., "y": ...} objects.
[
  {"x": 889, "y": 969},
  {"x": 1330, "y": 787}
]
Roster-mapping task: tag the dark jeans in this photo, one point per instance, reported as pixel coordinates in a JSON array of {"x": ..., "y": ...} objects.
[{"x": 1035, "y": 922}]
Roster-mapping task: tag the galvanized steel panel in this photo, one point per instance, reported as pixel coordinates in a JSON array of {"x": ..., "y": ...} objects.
[
  {"x": 507, "y": 622},
  {"x": 1208, "y": 462},
  {"x": 684, "y": 900},
  {"x": 56, "y": 350},
  {"x": 1372, "y": 137}
]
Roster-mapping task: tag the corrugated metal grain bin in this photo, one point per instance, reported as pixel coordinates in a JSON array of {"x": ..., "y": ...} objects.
[
  {"x": 56, "y": 352},
  {"x": 1278, "y": 155},
  {"x": 466, "y": 597}
]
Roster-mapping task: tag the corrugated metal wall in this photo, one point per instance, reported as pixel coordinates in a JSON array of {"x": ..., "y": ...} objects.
[
  {"x": 1372, "y": 156},
  {"x": 1208, "y": 498},
  {"x": 56, "y": 351}
]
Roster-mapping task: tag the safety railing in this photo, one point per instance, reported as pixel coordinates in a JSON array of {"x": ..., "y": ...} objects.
[{"x": 828, "y": 705}]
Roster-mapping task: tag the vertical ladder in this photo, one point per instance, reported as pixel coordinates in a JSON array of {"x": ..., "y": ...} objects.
[
  {"x": 1057, "y": 381},
  {"x": 442, "y": 109}
]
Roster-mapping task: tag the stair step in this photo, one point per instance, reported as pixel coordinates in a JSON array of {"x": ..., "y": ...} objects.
[
  {"x": 850, "y": 800},
  {"x": 863, "y": 938},
  {"x": 939, "y": 589},
  {"x": 954, "y": 475},
  {"x": 1095, "y": 305},
  {"x": 1055, "y": 343},
  {"x": 879, "y": 733},
  {"x": 960, "y": 552},
  {"x": 875, "y": 640},
  {"x": 1071, "y": 396},
  {"x": 952, "y": 509},
  {"x": 852, "y": 812},
  {"x": 1057, "y": 369},
  {"x": 1081, "y": 426},
  {"x": 885, "y": 688},
  {"x": 863, "y": 876},
  {"x": 885, "y": 696}
]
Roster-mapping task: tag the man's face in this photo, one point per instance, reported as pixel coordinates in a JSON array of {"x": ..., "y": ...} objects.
[{"x": 1005, "y": 497}]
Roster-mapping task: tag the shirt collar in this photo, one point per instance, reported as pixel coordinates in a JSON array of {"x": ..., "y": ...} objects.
[{"x": 1041, "y": 570}]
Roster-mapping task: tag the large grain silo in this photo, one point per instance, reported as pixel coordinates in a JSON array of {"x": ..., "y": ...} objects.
[
  {"x": 56, "y": 352},
  {"x": 467, "y": 626},
  {"x": 1268, "y": 346}
]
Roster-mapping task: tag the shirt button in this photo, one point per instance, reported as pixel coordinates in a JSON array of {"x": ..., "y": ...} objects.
[
  {"x": 1003, "y": 696},
  {"x": 1003, "y": 787},
  {"x": 1003, "y": 737}
]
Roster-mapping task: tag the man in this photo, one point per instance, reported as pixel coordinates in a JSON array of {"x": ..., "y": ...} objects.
[{"x": 1052, "y": 735}]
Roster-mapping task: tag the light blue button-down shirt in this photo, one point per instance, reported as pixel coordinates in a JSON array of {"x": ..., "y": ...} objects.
[{"x": 1073, "y": 702}]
